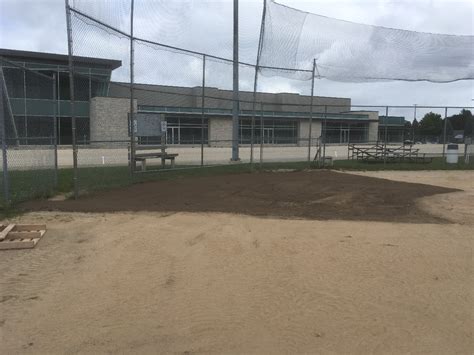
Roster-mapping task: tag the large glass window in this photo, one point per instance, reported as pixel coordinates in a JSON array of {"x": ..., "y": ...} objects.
[
  {"x": 345, "y": 132},
  {"x": 181, "y": 130},
  {"x": 273, "y": 131},
  {"x": 392, "y": 134}
]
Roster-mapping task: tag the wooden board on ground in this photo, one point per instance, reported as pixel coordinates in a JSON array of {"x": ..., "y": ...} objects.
[{"x": 26, "y": 236}]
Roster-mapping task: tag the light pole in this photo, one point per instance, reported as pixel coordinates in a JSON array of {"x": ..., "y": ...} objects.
[{"x": 413, "y": 126}]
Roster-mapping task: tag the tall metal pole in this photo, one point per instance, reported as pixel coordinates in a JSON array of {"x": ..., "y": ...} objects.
[
  {"x": 413, "y": 127},
  {"x": 55, "y": 134},
  {"x": 58, "y": 92},
  {"x": 71, "y": 90},
  {"x": 261, "y": 135},
  {"x": 25, "y": 110},
  {"x": 132, "y": 108},
  {"x": 444, "y": 130},
  {"x": 235, "y": 96},
  {"x": 311, "y": 112},
  {"x": 6, "y": 185},
  {"x": 385, "y": 138},
  {"x": 255, "y": 80},
  {"x": 324, "y": 136},
  {"x": 202, "y": 106}
]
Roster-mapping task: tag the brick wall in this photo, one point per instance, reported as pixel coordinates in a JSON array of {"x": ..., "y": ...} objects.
[
  {"x": 220, "y": 128},
  {"x": 303, "y": 131},
  {"x": 109, "y": 118}
]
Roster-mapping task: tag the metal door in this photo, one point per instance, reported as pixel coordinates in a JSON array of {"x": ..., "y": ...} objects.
[
  {"x": 172, "y": 135},
  {"x": 268, "y": 135}
]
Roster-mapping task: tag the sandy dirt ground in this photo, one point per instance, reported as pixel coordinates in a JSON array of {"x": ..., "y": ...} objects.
[{"x": 186, "y": 282}]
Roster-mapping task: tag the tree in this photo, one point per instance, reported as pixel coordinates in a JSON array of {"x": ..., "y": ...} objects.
[
  {"x": 462, "y": 121},
  {"x": 431, "y": 125}
]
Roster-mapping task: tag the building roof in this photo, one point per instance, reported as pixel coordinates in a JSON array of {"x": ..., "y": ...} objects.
[{"x": 61, "y": 59}]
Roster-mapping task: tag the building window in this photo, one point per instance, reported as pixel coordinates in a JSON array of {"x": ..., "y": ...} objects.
[
  {"x": 392, "y": 134},
  {"x": 345, "y": 132},
  {"x": 274, "y": 131},
  {"x": 180, "y": 130}
]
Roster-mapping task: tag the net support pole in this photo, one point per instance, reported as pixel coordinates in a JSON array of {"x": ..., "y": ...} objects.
[
  {"x": 71, "y": 90},
  {"x": 202, "y": 106},
  {"x": 25, "y": 108},
  {"x": 385, "y": 136},
  {"x": 324, "y": 136},
  {"x": 6, "y": 185},
  {"x": 55, "y": 131},
  {"x": 255, "y": 80},
  {"x": 132, "y": 93},
  {"x": 444, "y": 130},
  {"x": 413, "y": 127},
  {"x": 311, "y": 112},
  {"x": 235, "y": 94},
  {"x": 261, "y": 135}
]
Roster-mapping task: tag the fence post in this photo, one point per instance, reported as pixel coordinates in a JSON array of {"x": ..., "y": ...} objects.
[
  {"x": 25, "y": 108},
  {"x": 132, "y": 108},
  {"x": 255, "y": 81},
  {"x": 235, "y": 85},
  {"x": 6, "y": 185},
  {"x": 261, "y": 135},
  {"x": 311, "y": 112},
  {"x": 385, "y": 137},
  {"x": 413, "y": 127},
  {"x": 324, "y": 136},
  {"x": 71, "y": 89},
  {"x": 444, "y": 130},
  {"x": 202, "y": 107},
  {"x": 55, "y": 134}
]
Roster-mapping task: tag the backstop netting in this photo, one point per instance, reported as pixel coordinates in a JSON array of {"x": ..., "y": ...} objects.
[
  {"x": 353, "y": 52},
  {"x": 178, "y": 55}
]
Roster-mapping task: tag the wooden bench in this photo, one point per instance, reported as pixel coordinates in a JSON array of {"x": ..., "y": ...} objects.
[{"x": 142, "y": 157}]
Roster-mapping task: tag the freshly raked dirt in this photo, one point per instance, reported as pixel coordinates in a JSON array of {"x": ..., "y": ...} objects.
[
  {"x": 319, "y": 195},
  {"x": 156, "y": 282}
]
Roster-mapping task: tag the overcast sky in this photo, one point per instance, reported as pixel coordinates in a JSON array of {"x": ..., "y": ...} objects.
[{"x": 39, "y": 25}]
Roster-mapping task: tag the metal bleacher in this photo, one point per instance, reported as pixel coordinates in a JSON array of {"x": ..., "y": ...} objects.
[{"x": 383, "y": 153}]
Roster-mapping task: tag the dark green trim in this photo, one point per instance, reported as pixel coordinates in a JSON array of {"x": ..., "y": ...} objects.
[
  {"x": 250, "y": 113},
  {"x": 39, "y": 107}
]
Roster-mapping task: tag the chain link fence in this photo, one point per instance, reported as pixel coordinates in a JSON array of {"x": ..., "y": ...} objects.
[
  {"x": 28, "y": 133},
  {"x": 118, "y": 74}
]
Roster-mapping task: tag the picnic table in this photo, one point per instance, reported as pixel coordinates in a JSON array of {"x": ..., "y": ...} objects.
[{"x": 163, "y": 155}]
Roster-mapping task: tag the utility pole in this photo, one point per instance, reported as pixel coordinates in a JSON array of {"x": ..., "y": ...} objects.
[
  {"x": 235, "y": 95},
  {"x": 413, "y": 127}
]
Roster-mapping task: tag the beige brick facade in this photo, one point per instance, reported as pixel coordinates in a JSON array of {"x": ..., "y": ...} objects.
[
  {"x": 303, "y": 132},
  {"x": 109, "y": 118},
  {"x": 220, "y": 131}
]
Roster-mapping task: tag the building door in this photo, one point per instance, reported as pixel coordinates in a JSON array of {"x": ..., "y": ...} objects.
[
  {"x": 344, "y": 135},
  {"x": 172, "y": 135},
  {"x": 268, "y": 136}
]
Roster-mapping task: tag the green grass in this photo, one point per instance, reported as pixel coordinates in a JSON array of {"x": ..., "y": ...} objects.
[{"x": 31, "y": 184}]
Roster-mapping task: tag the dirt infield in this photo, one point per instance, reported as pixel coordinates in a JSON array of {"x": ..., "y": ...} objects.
[
  {"x": 320, "y": 195},
  {"x": 221, "y": 283}
]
